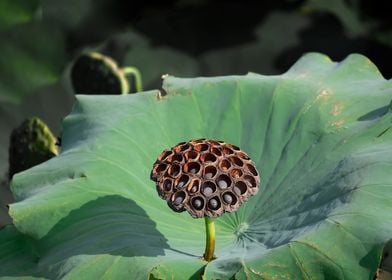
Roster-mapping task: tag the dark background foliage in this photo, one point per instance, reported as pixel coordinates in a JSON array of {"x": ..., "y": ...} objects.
[{"x": 335, "y": 27}]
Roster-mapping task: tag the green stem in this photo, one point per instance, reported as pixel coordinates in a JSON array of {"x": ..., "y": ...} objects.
[
  {"x": 210, "y": 239},
  {"x": 138, "y": 77}
]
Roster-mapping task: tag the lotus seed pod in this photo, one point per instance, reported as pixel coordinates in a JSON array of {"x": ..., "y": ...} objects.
[
  {"x": 30, "y": 144},
  {"x": 95, "y": 73},
  {"x": 205, "y": 177}
]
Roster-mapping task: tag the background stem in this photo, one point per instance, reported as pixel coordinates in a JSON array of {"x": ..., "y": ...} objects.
[
  {"x": 210, "y": 239},
  {"x": 138, "y": 77}
]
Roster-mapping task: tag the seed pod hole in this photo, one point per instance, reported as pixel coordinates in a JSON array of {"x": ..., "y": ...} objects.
[
  {"x": 194, "y": 186},
  {"x": 182, "y": 181},
  {"x": 182, "y": 148},
  {"x": 214, "y": 203},
  {"x": 201, "y": 147},
  {"x": 216, "y": 151},
  {"x": 233, "y": 147},
  {"x": 237, "y": 161},
  {"x": 251, "y": 169},
  {"x": 236, "y": 173},
  {"x": 208, "y": 157},
  {"x": 198, "y": 203},
  {"x": 167, "y": 185},
  {"x": 164, "y": 155},
  {"x": 214, "y": 143},
  {"x": 242, "y": 155},
  {"x": 227, "y": 151},
  {"x": 229, "y": 198},
  {"x": 174, "y": 170},
  {"x": 191, "y": 155},
  {"x": 192, "y": 167},
  {"x": 208, "y": 188},
  {"x": 210, "y": 172},
  {"x": 223, "y": 181},
  {"x": 240, "y": 188},
  {"x": 178, "y": 198},
  {"x": 201, "y": 140},
  {"x": 251, "y": 181},
  {"x": 176, "y": 158},
  {"x": 224, "y": 165},
  {"x": 160, "y": 168}
]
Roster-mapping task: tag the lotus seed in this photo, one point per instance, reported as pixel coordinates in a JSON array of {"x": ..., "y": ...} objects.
[
  {"x": 222, "y": 184},
  {"x": 228, "y": 198},
  {"x": 213, "y": 203},
  {"x": 167, "y": 186},
  {"x": 208, "y": 190},
  {"x": 198, "y": 203},
  {"x": 178, "y": 200}
]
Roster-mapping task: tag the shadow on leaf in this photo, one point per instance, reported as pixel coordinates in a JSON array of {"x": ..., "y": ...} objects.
[
  {"x": 305, "y": 211},
  {"x": 108, "y": 225},
  {"x": 375, "y": 114}
]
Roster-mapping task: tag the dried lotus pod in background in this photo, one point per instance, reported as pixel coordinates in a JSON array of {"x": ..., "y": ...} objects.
[
  {"x": 95, "y": 73},
  {"x": 31, "y": 143},
  {"x": 205, "y": 177}
]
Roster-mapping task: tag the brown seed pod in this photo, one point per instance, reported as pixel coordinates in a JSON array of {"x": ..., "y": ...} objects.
[{"x": 205, "y": 177}]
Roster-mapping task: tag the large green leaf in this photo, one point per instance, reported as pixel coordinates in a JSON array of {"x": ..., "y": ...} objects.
[{"x": 320, "y": 134}]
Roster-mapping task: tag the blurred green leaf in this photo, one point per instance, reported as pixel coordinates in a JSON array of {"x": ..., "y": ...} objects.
[
  {"x": 16, "y": 11},
  {"x": 347, "y": 12},
  {"x": 32, "y": 56}
]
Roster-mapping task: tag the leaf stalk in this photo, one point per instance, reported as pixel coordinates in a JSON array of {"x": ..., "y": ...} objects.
[
  {"x": 210, "y": 239},
  {"x": 138, "y": 77}
]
